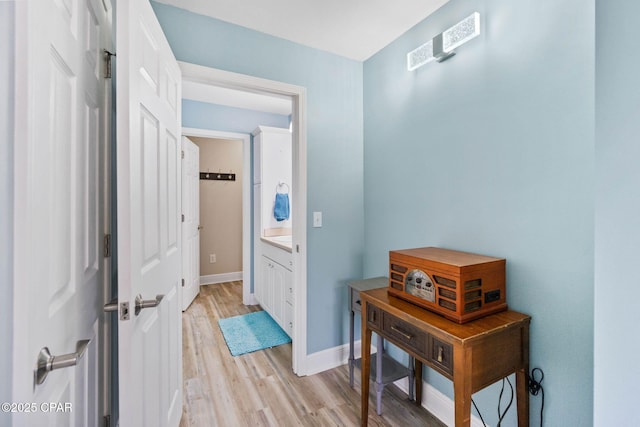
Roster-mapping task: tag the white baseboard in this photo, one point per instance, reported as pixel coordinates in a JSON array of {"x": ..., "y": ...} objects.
[
  {"x": 437, "y": 403},
  {"x": 212, "y": 279},
  {"x": 332, "y": 357},
  {"x": 434, "y": 401}
]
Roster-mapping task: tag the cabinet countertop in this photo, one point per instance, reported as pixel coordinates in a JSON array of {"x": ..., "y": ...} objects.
[{"x": 275, "y": 241}]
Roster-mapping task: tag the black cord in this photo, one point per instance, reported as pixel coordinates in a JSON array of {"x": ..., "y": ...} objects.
[
  {"x": 479, "y": 414},
  {"x": 501, "y": 416},
  {"x": 535, "y": 387}
]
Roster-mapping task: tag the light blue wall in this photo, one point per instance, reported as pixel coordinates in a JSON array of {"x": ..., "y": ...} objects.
[
  {"x": 492, "y": 152},
  {"x": 334, "y": 147},
  {"x": 7, "y": 39},
  {"x": 617, "y": 220},
  {"x": 202, "y": 115}
]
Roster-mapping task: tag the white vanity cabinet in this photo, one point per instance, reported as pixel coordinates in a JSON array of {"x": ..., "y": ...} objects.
[
  {"x": 272, "y": 255},
  {"x": 274, "y": 286}
]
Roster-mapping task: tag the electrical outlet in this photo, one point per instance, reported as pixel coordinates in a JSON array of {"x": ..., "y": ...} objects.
[{"x": 212, "y": 258}]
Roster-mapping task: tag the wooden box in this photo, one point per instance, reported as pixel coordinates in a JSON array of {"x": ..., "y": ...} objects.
[{"x": 460, "y": 286}]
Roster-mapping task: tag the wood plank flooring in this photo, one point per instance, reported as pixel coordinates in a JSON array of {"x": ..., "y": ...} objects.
[{"x": 259, "y": 389}]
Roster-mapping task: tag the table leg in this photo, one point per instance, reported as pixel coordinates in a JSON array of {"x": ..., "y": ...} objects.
[
  {"x": 412, "y": 374},
  {"x": 365, "y": 370},
  {"x": 522, "y": 398},
  {"x": 462, "y": 388},
  {"x": 379, "y": 385},
  {"x": 418, "y": 381},
  {"x": 351, "y": 355},
  {"x": 522, "y": 386}
]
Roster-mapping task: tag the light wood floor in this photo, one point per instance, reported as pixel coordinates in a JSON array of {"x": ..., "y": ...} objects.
[{"x": 259, "y": 389}]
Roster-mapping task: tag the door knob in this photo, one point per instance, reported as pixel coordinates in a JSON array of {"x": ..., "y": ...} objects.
[
  {"x": 150, "y": 303},
  {"x": 200, "y": 227},
  {"x": 48, "y": 363}
]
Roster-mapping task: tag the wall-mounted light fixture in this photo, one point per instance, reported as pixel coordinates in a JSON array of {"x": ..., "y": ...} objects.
[{"x": 441, "y": 47}]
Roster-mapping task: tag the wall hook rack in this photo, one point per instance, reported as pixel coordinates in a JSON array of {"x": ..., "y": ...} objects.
[{"x": 218, "y": 176}]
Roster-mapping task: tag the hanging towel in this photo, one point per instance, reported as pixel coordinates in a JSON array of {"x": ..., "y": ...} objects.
[{"x": 281, "y": 207}]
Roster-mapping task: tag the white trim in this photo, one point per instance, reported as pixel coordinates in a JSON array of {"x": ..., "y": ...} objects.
[
  {"x": 213, "y": 279},
  {"x": 298, "y": 95},
  {"x": 330, "y": 358},
  {"x": 247, "y": 296}
]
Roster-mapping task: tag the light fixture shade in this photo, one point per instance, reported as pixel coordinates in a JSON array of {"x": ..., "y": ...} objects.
[
  {"x": 420, "y": 56},
  {"x": 461, "y": 33}
]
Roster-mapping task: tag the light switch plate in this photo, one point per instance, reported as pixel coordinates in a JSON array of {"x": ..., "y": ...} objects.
[{"x": 317, "y": 219}]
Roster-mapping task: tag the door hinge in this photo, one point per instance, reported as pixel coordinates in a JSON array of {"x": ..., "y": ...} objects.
[
  {"x": 183, "y": 283},
  {"x": 182, "y": 153},
  {"x": 106, "y": 421},
  {"x": 107, "y": 245},
  {"x": 107, "y": 63},
  {"x": 182, "y": 217}
]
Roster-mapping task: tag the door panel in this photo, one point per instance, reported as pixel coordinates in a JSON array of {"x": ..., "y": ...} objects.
[
  {"x": 191, "y": 223},
  {"x": 60, "y": 128},
  {"x": 149, "y": 240}
]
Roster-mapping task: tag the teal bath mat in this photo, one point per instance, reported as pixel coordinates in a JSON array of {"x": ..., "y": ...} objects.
[{"x": 252, "y": 332}]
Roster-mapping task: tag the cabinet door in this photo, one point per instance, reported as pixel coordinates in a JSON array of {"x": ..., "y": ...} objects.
[
  {"x": 272, "y": 289},
  {"x": 279, "y": 278},
  {"x": 288, "y": 318},
  {"x": 263, "y": 284}
]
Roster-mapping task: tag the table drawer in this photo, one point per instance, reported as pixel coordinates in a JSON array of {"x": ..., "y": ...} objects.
[
  {"x": 374, "y": 316},
  {"x": 404, "y": 333},
  {"x": 441, "y": 355}
]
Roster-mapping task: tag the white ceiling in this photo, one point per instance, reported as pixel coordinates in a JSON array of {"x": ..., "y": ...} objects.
[{"x": 355, "y": 29}]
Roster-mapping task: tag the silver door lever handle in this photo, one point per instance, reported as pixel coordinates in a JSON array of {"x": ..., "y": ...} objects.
[
  {"x": 111, "y": 305},
  {"x": 140, "y": 303},
  {"x": 48, "y": 363}
]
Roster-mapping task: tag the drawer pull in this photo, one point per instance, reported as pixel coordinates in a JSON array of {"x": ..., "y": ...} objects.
[
  {"x": 440, "y": 354},
  {"x": 401, "y": 332}
]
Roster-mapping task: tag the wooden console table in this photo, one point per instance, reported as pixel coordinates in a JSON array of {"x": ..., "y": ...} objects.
[{"x": 473, "y": 355}]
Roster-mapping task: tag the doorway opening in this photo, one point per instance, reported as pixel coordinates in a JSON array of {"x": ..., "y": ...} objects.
[
  {"x": 221, "y": 209},
  {"x": 210, "y": 136},
  {"x": 297, "y": 95}
]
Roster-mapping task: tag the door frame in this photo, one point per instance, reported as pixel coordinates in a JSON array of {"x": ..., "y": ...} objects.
[
  {"x": 298, "y": 95},
  {"x": 247, "y": 276}
]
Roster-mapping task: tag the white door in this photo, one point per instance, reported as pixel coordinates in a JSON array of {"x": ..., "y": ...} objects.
[
  {"x": 148, "y": 218},
  {"x": 191, "y": 221},
  {"x": 58, "y": 221}
]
